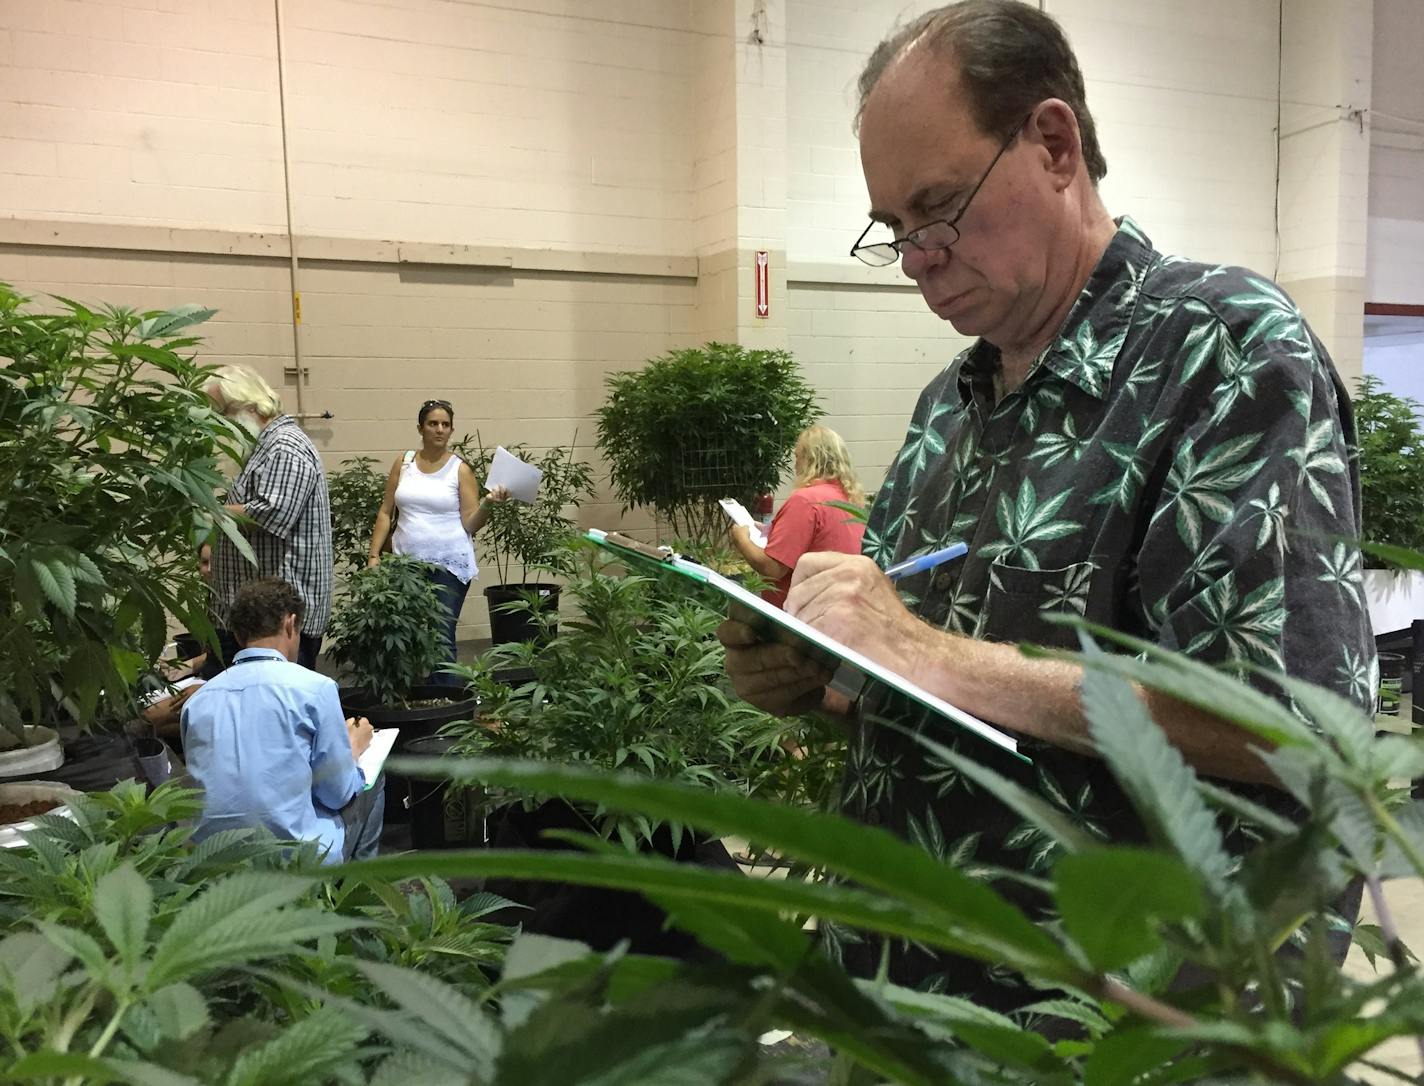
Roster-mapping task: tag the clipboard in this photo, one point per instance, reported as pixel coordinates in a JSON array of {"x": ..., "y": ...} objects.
[
  {"x": 775, "y": 624},
  {"x": 373, "y": 758}
]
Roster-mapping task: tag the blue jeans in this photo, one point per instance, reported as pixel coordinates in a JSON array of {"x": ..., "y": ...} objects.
[
  {"x": 363, "y": 818},
  {"x": 451, "y": 591}
]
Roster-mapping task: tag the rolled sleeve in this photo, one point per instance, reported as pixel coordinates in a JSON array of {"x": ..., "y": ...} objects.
[{"x": 280, "y": 489}]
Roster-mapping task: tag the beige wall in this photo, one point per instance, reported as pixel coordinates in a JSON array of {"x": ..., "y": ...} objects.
[
  {"x": 1396, "y": 222},
  {"x": 504, "y": 201}
]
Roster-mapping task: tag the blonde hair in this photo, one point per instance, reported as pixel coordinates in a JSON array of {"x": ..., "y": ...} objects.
[
  {"x": 242, "y": 388},
  {"x": 824, "y": 456}
]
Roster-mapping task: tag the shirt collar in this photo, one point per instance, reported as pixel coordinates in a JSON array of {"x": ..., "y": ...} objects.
[
  {"x": 244, "y": 655},
  {"x": 1086, "y": 348},
  {"x": 272, "y": 427}
]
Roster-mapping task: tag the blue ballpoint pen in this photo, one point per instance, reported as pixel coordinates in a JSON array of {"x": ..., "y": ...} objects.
[{"x": 922, "y": 562}]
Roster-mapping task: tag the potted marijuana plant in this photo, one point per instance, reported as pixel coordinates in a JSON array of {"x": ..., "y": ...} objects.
[
  {"x": 522, "y": 537},
  {"x": 385, "y": 636},
  {"x": 701, "y": 424},
  {"x": 355, "y": 490},
  {"x": 633, "y": 683},
  {"x": 109, "y": 467}
]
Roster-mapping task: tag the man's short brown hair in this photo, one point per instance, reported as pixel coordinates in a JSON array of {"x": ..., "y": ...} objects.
[
  {"x": 1010, "y": 57},
  {"x": 260, "y": 608}
]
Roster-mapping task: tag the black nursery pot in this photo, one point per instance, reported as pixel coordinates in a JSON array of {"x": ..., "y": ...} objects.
[
  {"x": 442, "y": 814},
  {"x": 589, "y": 914},
  {"x": 414, "y": 724},
  {"x": 506, "y": 627}
]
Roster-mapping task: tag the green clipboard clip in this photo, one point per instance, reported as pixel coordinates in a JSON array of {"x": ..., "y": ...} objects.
[{"x": 774, "y": 624}]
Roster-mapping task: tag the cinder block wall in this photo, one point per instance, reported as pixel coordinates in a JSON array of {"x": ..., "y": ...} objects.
[{"x": 501, "y": 203}]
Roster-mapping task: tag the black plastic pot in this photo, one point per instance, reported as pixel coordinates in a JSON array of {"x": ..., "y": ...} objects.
[
  {"x": 414, "y": 724},
  {"x": 600, "y": 917},
  {"x": 506, "y": 627},
  {"x": 442, "y": 814}
]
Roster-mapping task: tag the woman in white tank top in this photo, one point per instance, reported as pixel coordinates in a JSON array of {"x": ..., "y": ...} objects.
[{"x": 440, "y": 510}]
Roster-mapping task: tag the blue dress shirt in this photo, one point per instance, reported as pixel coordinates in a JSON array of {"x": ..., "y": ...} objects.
[{"x": 267, "y": 742}]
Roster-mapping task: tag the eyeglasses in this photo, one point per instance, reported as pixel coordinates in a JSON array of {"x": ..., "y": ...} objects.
[
  {"x": 438, "y": 403},
  {"x": 933, "y": 236}
]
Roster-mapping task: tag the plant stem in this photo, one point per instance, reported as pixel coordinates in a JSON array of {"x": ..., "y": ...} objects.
[
  {"x": 109, "y": 1030},
  {"x": 1144, "y": 1006},
  {"x": 103, "y": 1041},
  {"x": 1153, "y": 1010},
  {"x": 73, "y": 1020},
  {"x": 1392, "y": 942}
]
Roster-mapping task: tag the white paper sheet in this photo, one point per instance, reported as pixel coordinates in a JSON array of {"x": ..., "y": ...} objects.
[
  {"x": 739, "y": 515},
  {"x": 168, "y": 691},
  {"x": 373, "y": 758},
  {"x": 520, "y": 478},
  {"x": 766, "y": 612}
]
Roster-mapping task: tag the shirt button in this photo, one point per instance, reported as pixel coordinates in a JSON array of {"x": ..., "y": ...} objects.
[
  {"x": 871, "y": 817},
  {"x": 944, "y": 580}
]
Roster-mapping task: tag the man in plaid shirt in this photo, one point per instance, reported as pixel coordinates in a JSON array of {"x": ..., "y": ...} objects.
[{"x": 281, "y": 491}]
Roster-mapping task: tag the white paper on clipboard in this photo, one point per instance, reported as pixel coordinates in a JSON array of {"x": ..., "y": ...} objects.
[{"x": 757, "y": 609}]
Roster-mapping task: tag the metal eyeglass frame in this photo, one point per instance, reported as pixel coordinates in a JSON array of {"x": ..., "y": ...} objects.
[{"x": 881, "y": 254}]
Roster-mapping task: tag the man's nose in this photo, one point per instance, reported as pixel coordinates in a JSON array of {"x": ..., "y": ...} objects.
[{"x": 915, "y": 262}]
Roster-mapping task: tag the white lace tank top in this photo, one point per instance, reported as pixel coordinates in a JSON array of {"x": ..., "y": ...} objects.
[{"x": 428, "y": 526}]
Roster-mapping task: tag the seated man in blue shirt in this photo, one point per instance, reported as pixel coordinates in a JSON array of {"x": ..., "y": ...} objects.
[{"x": 267, "y": 742}]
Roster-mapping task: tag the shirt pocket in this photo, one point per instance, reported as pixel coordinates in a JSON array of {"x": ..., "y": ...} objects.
[{"x": 1020, "y": 603}]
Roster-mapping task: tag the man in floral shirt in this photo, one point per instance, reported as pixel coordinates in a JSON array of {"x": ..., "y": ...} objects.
[{"x": 1159, "y": 446}]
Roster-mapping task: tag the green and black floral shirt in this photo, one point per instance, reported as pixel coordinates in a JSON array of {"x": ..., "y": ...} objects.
[{"x": 1177, "y": 465}]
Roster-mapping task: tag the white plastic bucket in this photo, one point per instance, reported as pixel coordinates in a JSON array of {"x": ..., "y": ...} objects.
[{"x": 42, "y": 754}]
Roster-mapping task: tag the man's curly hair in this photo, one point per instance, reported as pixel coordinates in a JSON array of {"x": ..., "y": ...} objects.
[{"x": 261, "y": 606}]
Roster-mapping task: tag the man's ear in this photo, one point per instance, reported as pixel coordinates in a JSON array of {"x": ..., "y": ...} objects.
[
  {"x": 1055, "y": 128},
  {"x": 290, "y": 626}
]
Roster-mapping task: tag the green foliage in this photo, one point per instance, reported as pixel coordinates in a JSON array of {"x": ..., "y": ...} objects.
[
  {"x": 701, "y": 424},
  {"x": 385, "y": 631},
  {"x": 518, "y": 533},
  {"x": 129, "y": 954},
  {"x": 1127, "y": 916},
  {"x": 109, "y": 466},
  {"x": 356, "y": 489},
  {"x": 1391, "y": 443},
  {"x": 635, "y": 681}
]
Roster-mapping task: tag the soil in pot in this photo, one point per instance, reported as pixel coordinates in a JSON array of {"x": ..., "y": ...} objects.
[
  {"x": 435, "y": 706},
  {"x": 22, "y": 812},
  {"x": 506, "y": 627}
]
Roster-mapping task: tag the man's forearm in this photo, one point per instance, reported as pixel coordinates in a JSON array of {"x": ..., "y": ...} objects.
[{"x": 1040, "y": 698}]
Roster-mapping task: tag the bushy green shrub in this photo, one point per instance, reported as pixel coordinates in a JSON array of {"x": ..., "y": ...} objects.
[
  {"x": 701, "y": 424},
  {"x": 385, "y": 632},
  {"x": 1391, "y": 443}
]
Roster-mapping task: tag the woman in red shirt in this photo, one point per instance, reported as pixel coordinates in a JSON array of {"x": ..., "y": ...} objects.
[{"x": 806, "y": 523}]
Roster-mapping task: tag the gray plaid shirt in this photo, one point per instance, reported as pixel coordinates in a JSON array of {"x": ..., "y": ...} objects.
[{"x": 283, "y": 487}]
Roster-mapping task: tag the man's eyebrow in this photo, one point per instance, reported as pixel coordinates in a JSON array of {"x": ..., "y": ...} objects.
[{"x": 929, "y": 196}]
